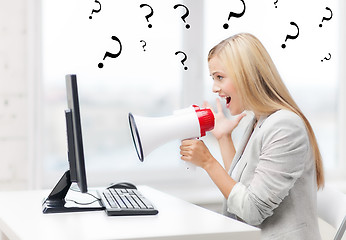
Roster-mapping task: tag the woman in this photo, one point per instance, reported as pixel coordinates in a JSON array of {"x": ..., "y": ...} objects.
[{"x": 272, "y": 179}]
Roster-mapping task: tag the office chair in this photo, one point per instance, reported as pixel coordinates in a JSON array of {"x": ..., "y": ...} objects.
[{"x": 331, "y": 207}]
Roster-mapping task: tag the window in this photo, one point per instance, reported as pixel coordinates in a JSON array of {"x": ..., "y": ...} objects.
[{"x": 148, "y": 79}]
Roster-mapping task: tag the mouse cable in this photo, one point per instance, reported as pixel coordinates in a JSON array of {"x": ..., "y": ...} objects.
[
  {"x": 76, "y": 190},
  {"x": 79, "y": 203}
]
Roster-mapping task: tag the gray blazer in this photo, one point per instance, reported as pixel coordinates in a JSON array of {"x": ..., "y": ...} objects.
[{"x": 276, "y": 179}]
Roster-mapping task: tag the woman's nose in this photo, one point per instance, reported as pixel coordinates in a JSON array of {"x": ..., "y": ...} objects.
[{"x": 216, "y": 88}]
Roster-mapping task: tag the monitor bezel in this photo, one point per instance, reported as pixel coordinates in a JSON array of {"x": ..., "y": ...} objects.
[{"x": 76, "y": 160}]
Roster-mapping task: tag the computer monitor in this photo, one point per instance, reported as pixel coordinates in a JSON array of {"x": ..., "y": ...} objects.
[
  {"x": 75, "y": 144},
  {"x": 56, "y": 202}
]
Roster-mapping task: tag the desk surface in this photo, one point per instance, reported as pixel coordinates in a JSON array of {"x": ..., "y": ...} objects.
[{"x": 21, "y": 217}]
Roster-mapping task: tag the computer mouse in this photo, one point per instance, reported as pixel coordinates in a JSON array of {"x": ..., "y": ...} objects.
[{"x": 123, "y": 185}]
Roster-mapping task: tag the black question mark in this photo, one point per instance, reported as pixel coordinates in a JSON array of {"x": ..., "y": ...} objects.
[
  {"x": 185, "y": 15},
  {"x": 149, "y": 15},
  {"x": 276, "y": 3},
  {"x": 236, "y": 15},
  {"x": 145, "y": 44},
  {"x": 112, "y": 55},
  {"x": 330, "y": 56},
  {"x": 324, "y": 18},
  {"x": 289, "y": 36},
  {"x": 184, "y": 59},
  {"x": 95, "y": 10}
]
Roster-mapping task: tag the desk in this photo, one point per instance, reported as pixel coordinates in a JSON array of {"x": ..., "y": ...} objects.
[{"x": 177, "y": 219}]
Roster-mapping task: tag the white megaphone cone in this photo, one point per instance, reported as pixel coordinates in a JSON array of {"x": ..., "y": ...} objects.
[{"x": 149, "y": 133}]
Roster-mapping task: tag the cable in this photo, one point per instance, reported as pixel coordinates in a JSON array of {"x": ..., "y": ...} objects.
[
  {"x": 77, "y": 190},
  {"x": 79, "y": 203}
]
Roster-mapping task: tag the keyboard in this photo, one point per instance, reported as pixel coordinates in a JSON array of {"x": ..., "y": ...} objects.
[{"x": 125, "y": 201}]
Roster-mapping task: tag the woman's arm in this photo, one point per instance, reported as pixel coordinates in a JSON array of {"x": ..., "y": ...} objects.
[
  {"x": 220, "y": 177},
  {"x": 283, "y": 153},
  {"x": 227, "y": 151},
  {"x": 196, "y": 152}
]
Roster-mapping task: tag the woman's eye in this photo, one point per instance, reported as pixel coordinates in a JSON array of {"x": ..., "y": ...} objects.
[{"x": 219, "y": 77}]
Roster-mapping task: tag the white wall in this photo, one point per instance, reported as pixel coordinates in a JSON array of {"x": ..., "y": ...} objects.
[{"x": 13, "y": 95}]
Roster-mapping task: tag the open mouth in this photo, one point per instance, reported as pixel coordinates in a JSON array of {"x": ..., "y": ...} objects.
[{"x": 228, "y": 100}]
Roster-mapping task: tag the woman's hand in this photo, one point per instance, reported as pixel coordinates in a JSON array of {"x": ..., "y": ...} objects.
[
  {"x": 196, "y": 152},
  {"x": 223, "y": 126}
]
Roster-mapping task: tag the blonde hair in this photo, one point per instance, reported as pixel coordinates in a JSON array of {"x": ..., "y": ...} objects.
[{"x": 259, "y": 83}]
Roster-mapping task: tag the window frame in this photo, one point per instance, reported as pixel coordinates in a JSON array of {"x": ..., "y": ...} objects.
[{"x": 197, "y": 180}]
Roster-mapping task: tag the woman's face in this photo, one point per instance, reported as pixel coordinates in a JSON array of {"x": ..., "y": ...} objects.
[{"x": 224, "y": 87}]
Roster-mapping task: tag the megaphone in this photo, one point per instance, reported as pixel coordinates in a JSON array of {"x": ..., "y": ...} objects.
[{"x": 149, "y": 133}]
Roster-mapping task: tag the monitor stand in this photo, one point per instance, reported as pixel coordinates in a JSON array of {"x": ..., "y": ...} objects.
[{"x": 56, "y": 203}]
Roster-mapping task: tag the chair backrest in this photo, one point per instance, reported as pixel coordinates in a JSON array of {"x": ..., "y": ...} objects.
[{"x": 331, "y": 207}]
